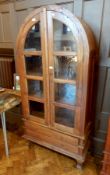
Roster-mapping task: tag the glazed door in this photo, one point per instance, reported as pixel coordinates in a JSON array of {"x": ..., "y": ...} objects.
[
  {"x": 51, "y": 71},
  {"x": 64, "y": 73},
  {"x": 33, "y": 73}
]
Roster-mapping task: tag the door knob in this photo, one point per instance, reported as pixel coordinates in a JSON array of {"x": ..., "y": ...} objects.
[{"x": 51, "y": 67}]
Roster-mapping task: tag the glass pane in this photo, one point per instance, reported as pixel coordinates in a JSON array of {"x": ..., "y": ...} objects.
[
  {"x": 65, "y": 93},
  {"x": 36, "y": 109},
  {"x": 64, "y": 116},
  {"x": 65, "y": 67},
  {"x": 35, "y": 88},
  {"x": 63, "y": 37},
  {"x": 33, "y": 39},
  {"x": 33, "y": 65}
]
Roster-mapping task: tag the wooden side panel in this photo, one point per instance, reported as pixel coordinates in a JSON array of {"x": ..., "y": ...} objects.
[
  {"x": 105, "y": 40},
  {"x": 78, "y": 8},
  {"x": 92, "y": 14},
  {"x": 69, "y": 6},
  {"x": 103, "y": 91},
  {"x": 1, "y": 28},
  {"x": 13, "y": 23},
  {"x": 21, "y": 15},
  {"x": 102, "y": 110},
  {"x": 101, "y": 86},
  {"x": 27, "y": 3},
  {"x": 106, "y": 161},
  {"x": 6, "y": 27},
  {"x": 106, "y": 102}
]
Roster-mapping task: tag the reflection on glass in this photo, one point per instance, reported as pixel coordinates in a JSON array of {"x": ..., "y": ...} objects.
[
  {"x": 65, "y": 93},
  {"x": 64, "y": 116},
  {"x": 63, "y": 37},
  {"x": 65, "y": 67},
  {"x": 33, "y": 39},
  {"x": 35, "y": 88},
  {"x": 36, "y": 109},
  {"x": 33, "y": 65}
]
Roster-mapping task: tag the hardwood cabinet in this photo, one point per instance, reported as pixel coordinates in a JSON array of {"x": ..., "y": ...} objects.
[
  {"x": 55, "y": 58},
  {"x": 106, "y": 161}
]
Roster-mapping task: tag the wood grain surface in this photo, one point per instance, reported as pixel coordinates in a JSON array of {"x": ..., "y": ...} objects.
[{"x": 27, "y": 158}]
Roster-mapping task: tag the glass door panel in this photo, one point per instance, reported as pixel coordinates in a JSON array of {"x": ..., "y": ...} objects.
[
  {"x": 63, "y": 37},
  {"x": 64, "y": 116},
  {"x": 65, "y": 93},
  {"x": 65, "y": 64},
  {"x": 65, "y": 67},
  {"x": 35, "y": 88},
  {"x": 36, "y": 109},
  {"x": 33, "y": 39},
  {"x": 33, "y": 65}
]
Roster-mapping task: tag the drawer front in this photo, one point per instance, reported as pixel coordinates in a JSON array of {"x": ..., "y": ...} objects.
[{"x": 51, "y": 137}]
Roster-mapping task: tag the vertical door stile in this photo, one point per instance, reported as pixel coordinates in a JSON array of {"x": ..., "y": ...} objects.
[
  {"x": 50, "y": 66},
  {"x": 45, "y": 63},
  {"x": 22, "y": 73}
]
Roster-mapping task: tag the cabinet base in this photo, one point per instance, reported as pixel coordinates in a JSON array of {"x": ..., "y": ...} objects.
[
  {"x": 68, "y": 145},
  {"x": 79, "y": 159}
]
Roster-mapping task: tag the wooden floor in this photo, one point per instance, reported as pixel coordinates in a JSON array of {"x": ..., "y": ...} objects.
[{"x": 27, "y": 158}]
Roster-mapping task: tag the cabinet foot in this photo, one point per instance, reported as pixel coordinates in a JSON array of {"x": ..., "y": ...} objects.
[{"x": 79, "y": 165}]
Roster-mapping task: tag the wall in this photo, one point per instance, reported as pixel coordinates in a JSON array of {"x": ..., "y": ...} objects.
[{"x": 96, "y": 14}]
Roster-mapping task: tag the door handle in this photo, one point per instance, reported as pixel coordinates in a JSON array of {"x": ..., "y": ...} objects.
[{"x": 51, "y": 67}]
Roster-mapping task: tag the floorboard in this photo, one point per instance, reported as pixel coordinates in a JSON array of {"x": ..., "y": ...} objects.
[{"x": 27, "y": 158}]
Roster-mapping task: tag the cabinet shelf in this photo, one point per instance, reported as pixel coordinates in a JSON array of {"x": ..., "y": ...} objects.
[
  {"x": 33, "y": 98},
  {"x": 65, "y": 101},
  {"x": 72, "y": 107},
  {"x": 33, "y": 77},
  {"x": 30, "y": 52},
  {"x": 65, "y": 53},
  {"x": 65, "y": 81},
  {"x": 35, "y": 114}
]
